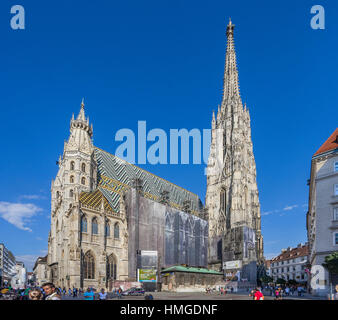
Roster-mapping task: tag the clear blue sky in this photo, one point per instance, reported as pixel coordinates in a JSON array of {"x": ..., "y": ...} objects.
[{"x": 163, "y": 62}]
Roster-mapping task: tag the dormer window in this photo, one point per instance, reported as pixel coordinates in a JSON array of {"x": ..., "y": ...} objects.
[{"x": 72, "y": 165}]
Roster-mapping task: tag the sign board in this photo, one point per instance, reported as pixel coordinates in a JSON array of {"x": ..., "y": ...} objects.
[
  {"x": 146, "y": 275},
  {"x": 148, "y": 253},
  {"x": 236, "y": 264}
]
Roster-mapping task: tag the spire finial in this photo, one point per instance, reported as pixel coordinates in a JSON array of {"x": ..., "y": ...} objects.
[{"x": 82, "y": 103}]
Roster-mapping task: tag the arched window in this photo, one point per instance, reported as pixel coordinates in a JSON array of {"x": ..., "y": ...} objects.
[
  {"x": 71, "y": 179},
  {"x": 94, "y": 226},
  {"x": 111, "y": 267},
  {"x": 116, "y": 231},
  {"x": 57, "y": 194},
  {"x": 88, "y": 266},
  {"x": 83, "y": 180},
  {"x": 71, "y": 193},
  {"x": 83, "y": 167},
  {"x": 72, "y": 165},
  {"x": 107, "y": 229},
  {"x": 83, "y": 224}
]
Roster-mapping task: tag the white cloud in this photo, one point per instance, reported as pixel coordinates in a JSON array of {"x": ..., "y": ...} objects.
[
  {"x": 18, "y": 214},
  {"x": 32, "y": 197},
  {"x": 288, "y": 208}
]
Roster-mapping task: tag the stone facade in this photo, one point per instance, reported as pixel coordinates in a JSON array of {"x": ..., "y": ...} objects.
[
  {"x": 232, "y": 200},
  {"x": 322, "y": 217},
  {"x": 71, "y": 239},
  {"x": 40, "y": 271}
]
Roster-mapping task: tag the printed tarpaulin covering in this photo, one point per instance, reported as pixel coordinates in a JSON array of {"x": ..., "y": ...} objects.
[{"x": 116, "y": 175}]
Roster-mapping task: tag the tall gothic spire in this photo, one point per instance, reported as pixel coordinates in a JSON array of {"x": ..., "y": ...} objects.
[{"x": 231, "y": 85}]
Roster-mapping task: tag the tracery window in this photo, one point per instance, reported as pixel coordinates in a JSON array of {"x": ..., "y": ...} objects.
[
  {"x": 83, "y": 224},
  {"x": 89, "y": 266},
  {"x": 83, "y": 167},
  {"x": 116, "y": 231},
  {"x": 83, "y": 181},
  {"x": 107, "y": 229},
  {"x": 94, "y": 226},
  {"x": 71, "y": 179},
  {"x": 111, "y": 268}
]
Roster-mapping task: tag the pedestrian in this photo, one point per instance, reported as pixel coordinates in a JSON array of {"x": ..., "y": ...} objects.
[
  {"x": 35, "y": 294},
  {"x": 287, "y": 291},
  {"x": 102, "y": 295},
  {"x": 50, "y": 291},
  {"x": 278, "y": 294},
  {"x": 222, "y": 291},
  {"x": 89, "y": 295},
  {"x": 258, "y": 294},
  {"x": 119, "y": 293},
  {"x": 252, "y": 293}
]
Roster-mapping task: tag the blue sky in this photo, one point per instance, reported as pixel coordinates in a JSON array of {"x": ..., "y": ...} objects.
[{"x": 162, "y": 62}]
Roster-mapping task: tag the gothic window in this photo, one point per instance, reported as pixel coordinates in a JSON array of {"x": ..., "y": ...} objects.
[
  {"x": 83, "y": 167},
  {"x": 223, "y": 200},
  {"x": 83, "y": 224},
  {"x": 111, "y": 268},
  {"x": 116, "y": 231},
  {"x": 71, "y": 193},
  {"x": 83, "y": 181},
  {"x": 88, "y": 266},
  {"x": 107, "y": 229},
  {"x": 94, "y": 226},
  {"x": 72, "y": 165},
  {"x": 71, "y": 179},
  {"x": 57, "y": 194}
]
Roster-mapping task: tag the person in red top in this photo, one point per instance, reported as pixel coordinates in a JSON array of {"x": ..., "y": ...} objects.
[{"x": 258, "y": 294}]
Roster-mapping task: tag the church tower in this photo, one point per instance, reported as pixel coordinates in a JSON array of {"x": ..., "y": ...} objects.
[
  {"x": 77, "y": 172},
  {"x": 232, "y": 195}
]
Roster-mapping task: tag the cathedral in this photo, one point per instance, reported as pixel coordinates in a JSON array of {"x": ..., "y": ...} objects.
[{"x": 111, "y": 219}]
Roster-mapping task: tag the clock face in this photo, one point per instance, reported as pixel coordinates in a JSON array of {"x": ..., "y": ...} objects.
[{"x": 251, "y": 245}]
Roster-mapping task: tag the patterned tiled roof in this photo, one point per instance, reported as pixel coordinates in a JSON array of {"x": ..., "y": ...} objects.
[
  {"x": 329, "y": 144},
  {"x": 116, "y": 176},
  {"x": 94, "y": 200}
]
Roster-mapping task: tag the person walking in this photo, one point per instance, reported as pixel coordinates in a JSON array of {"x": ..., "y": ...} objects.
[
  {"x": 102, "y": 295},
  {"x": 119, "y": 293},
  {"x": 258, "y": 294},
  {"x": 89, "y": 295},
  {"x": 50, "y": 291}
]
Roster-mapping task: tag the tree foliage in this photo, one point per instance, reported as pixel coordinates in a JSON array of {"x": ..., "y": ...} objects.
[{"x": 331, "y": 263}]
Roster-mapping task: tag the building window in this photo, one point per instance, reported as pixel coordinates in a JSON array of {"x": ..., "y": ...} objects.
[
  {"x": 336, "y": 189},
  {"x": 83, "y": 167},
  {"x": 94, "y": 226},
  {"x": 336, "y": 166},
  {"x": 71, "y": 179},
  {"x": 83, "y": 224},
  {"x": 71, "y": 193},
  {"x": 57, "y": 194},
  {"x": 72, "y": 165},
  {"x": 83, "y": 181},
  {"x": 336, "y": 238},
  {"x": 116, "y": 231},
  {"x": 107, "y": 230},
  {"x": 88, "y": 266},
  {"x": 111, "y": 268},
  {"x": 335, "y": 214}
]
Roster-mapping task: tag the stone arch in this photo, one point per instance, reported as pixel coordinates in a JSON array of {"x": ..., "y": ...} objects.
[{"x": 112, "y": 263}]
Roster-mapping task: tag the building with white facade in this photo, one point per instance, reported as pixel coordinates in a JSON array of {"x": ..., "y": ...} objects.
[
  {"x": 322, "y": 216},
  {"x": 19, "y": 280},
  {"x": 291, "y": 264},
  {"x": 7, "y": 265}
]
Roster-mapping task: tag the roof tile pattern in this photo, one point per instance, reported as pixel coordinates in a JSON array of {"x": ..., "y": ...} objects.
[{"x": 329, "y": 144}]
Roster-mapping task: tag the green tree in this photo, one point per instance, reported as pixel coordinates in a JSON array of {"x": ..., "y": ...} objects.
[
  {"x": 266, "y": 279},
  {"x": 280, "y": 281},
  {"x": 331, "y": 263}
]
